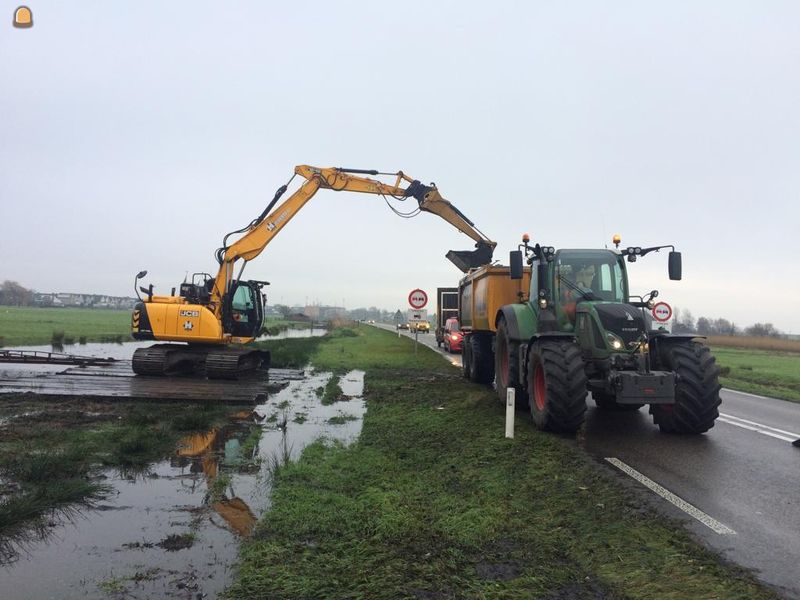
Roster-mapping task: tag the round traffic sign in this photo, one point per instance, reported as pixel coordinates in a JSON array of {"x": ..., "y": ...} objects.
[
  {"x": 417, "y": 299},
  {"x": 662, "y": 312}
]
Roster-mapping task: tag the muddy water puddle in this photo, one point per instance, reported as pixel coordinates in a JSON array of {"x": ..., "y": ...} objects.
[{"x": 173, "y": 529}]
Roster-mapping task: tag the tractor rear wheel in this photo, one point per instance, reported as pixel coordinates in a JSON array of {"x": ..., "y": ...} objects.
[
  {"x": 608, "y": 402},
  {"x": 506, "y": 366},
  {"x": 556, "y": 386},
  {"x": 696, "y": 389},
  {"x": 481, "y": 360}
]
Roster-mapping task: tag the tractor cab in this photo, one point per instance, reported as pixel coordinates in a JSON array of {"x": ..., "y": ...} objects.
[{"x": 579, "y": 276}]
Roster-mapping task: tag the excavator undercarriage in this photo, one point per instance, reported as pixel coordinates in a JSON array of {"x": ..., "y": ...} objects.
[{"x": 216, "y": 362}]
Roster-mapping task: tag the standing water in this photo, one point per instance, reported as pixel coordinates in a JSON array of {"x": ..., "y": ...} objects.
[{"x": 173, "y": 529}]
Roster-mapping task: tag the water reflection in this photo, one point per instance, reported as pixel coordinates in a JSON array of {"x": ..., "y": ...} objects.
[{"x": 181, "y": 519}]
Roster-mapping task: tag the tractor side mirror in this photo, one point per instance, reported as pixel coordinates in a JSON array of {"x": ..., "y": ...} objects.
[
  {"x": 675, "y": 266},
  {"x": 515, "y": 260}
]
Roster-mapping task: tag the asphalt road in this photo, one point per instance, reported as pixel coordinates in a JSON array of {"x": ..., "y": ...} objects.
[{"x": 742, "y": 478}]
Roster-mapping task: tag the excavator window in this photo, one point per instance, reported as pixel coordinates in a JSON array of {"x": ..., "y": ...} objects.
[{"x": 242, "y": 312}]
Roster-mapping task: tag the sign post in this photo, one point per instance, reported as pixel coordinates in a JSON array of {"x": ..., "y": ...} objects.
[
  {"x": 417, "y": 300},
  {"x": 510, "y": 406},
  {"x": 662, "y": 313}
]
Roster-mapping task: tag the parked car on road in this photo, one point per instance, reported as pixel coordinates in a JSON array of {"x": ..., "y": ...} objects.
[{"x": 452, "y": 336}]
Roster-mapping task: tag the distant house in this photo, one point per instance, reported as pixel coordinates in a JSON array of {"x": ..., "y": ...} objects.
[{"x": 65, "y": 299}]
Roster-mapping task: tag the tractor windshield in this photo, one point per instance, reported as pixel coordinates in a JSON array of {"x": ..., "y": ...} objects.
[{"x": 590, "y": 275}]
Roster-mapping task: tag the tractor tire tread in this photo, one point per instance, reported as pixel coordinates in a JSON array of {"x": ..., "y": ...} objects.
[
  {"x": 565, "y": 381},
  {"x": 696, "y": 391}
]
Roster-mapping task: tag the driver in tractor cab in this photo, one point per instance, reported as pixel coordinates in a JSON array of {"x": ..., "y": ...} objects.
[{"x": 581, "y": 276}]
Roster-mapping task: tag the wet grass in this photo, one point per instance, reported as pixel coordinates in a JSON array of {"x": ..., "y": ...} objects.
[
  {"x": 29, "y": 326},
  {"x": 768, "y": 373},
  {"x": 275, "y": 326},
  {"x": 291, "y": 353},
  {"x": 433, "y": 502},
  {"x": 332, "y": 392},
  {"x": 50, "y": 456}
]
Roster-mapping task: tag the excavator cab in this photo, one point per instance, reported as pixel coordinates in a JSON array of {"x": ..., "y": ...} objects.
[{"x": 243, "y": 309}]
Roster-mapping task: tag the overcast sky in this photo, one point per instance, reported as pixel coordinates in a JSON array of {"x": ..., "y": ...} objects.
[{"x": 135, "y": 135}]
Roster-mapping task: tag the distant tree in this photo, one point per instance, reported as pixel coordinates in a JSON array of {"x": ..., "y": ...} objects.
[
  {"x": 763, "y": 330},
  {"x": 284, "y": 310},
  {"x": 703, "y": 326},
  {"x": 13, "y": 294},
  {"x": 723, "y": 327},
  {"x": 683, "y": 321}
]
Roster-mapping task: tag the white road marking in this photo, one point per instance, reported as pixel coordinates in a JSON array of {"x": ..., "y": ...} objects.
[
  {"x": 786, "y": 436},
  {"x": 689, "y": 509},
  {"x": 747, "y": 394}
]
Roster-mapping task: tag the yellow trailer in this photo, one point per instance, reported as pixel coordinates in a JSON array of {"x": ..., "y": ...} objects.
[{"x": 483, "y": 291}]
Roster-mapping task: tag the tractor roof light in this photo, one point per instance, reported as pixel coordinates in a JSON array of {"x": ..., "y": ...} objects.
[
  {"x": 526, "y": 238},
  {"x": 616, "y": 239}
]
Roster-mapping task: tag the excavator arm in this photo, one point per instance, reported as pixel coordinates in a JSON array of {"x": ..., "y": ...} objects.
[{"x": 262, "y": 230}]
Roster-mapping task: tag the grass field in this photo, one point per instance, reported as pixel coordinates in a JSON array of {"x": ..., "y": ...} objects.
[
  {"x": 746, "y": 342},
  {"x": 433, "y": 502},
  {"x": 768, "y": 373},
  {"x": 30, "y": 326}
]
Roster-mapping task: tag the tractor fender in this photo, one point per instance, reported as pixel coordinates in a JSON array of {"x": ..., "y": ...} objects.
[
  {"x": 520, "y": 320},
  {"x": 525, "y": 348},
  {"x": 660, "y": 340}
]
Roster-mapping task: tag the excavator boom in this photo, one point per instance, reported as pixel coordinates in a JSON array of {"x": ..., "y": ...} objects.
[
  {"x": 263, "y": 230},
  {"x": 224, "y": 309}
]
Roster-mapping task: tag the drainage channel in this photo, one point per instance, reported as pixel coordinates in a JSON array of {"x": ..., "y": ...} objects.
[{"x": 173, "y": 530}]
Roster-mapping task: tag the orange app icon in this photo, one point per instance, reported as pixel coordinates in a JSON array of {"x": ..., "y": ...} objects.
[{"x": 23, "y": 18}]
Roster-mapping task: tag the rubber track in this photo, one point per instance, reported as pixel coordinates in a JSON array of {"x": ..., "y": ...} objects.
[
  {"x": 565, "y": 378},
  {"x": 696, "y": 392}
]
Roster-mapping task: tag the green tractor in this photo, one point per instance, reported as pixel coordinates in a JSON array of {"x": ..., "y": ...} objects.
[{"x": 582, "y": 331}]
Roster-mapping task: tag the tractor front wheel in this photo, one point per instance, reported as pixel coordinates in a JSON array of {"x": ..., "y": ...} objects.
[
  {"x": 556, "y": 386},
  {"x": 696, "y": 389}
]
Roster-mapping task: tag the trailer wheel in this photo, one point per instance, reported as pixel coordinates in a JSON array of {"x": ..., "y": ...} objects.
[
  {"x": 481, "y": 359},
  {"x": 556, "y": 386},
  {"x": 506, "y": 366},
  {"x": 466, "y": 358},
  {"x": 696, "y": 389},
  {"x": 607, "y": 402}
]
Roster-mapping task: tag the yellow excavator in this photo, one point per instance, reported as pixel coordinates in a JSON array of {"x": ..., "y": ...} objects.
[{"x": 215, "y": 315}]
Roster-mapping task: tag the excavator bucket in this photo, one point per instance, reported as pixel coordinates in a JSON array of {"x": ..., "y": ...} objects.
[{"x": 471, "y": 259}]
